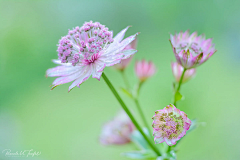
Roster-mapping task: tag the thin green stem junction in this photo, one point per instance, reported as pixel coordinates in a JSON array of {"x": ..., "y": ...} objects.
[
  {"x": 179, "y": 86},
  {"x": 129, "y": 114}
]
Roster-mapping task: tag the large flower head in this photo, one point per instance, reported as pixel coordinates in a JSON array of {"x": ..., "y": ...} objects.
[
  {"x": 170, "y": 124},
  {"x": 118, "y": 130},
  {"x": 86, "y": 51},
  {"x": 191, "y": 50},
  {"x": 177, "y": 70},
  {"x": 125, "y": 62}
]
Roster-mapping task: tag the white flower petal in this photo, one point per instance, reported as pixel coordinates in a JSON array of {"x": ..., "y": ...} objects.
[
  {"x": 128, "y": 53},
  {"x": 62, "y": 71},
  {"x": 85, "y": 74},
  {"x": 120, "y": 35}
]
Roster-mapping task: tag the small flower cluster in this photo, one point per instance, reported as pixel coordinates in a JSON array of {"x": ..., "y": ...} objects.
[
  {"x": 118, "y": 130},
  {"x": 170, "y": 124},
  {"x": 78, "y": 44}
]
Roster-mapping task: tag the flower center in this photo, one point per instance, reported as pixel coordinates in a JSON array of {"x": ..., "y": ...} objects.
[
  {"x": 84, "y": 44},
  {"x": 172, "y": 125},
  {"x": 194, "y": 48},
  {"x": 92, "y": 59}
]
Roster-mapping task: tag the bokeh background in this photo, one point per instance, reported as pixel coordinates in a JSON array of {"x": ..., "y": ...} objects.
[{"x": 66, "y": 125}]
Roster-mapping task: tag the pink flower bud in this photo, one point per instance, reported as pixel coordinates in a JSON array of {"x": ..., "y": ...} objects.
[
  {"x": 177, "y": 70},
  {"x": 144, "y": 69}
]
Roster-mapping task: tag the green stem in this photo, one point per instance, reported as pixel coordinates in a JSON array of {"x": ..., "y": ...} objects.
[
  {"x": 142, "y": 115},
  {"x": 179, "y": 86},
  {"x": 129, "y": 114},
  {"x": 139, "y": 107},
  {"x": 136, "y": 100},
  {"x": 125, "y": 79}
]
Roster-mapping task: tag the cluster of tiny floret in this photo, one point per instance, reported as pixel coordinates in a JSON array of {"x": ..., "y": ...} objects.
[
  {"x": 193, "y": 47},
  {"x": 82, "y": 43},
  {"x": 172, "y": 125}
]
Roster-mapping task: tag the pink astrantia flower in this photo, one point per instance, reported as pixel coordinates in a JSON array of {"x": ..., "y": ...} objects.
[
  {"x": 125, "y": 62},
  {"x": 144, "y": 69},
  {"x": 191, "y": 50},
  {"x": 87, "y": 51},
  {"x": 177, "y": 70},
  {"x": 118, "y": 130},
  {"x": 170, "y": 124}
]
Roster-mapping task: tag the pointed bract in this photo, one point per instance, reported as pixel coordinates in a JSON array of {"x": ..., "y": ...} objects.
[{"x": 125, "y": 62}]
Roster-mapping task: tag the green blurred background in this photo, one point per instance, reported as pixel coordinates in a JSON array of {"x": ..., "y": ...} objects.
[{"x": 66, "y": 125}]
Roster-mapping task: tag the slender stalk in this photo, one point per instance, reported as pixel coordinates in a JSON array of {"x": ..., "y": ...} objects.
[
  {"x": 136, "y": 100},
  {"x": 142, "y": 115},
  {"x": 179, "y": 86},
  {"x": 129, "y": 114},
  {"x": 125, "y": 79},
  {"x": 139, "y": 107}
]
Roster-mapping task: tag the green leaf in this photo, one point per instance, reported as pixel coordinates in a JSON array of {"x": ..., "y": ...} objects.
[
  {"x": 126, "y": 92},
  {"x": 178, "y": 96},
  {"x": 195, "y": 124},
  {"x": 138, "y": 139},
  {"x": 168, "y": 156}
]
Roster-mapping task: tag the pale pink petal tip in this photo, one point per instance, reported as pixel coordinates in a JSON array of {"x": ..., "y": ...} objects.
[
  {"x": 144, "y": 69},
  {"x": 177, "y": 70},
  {"x": 170, "y": 124},
  {"x": 191, "y": 50},
  {"x": 117, "y": 131},
  {"x": 86, "y": 51}
]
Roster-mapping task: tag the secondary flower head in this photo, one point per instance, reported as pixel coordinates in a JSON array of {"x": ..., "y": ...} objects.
[
  {"x": 144, "y": 69},
  {"x": 118, "y": 130},
  {"x": 191, "y": 50},
  {"x": 170, "y": 124},
  {"x": 86, "y": 51},
  {"x": 177, "y": 70},
  {"x": 125, "y": 62}
]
